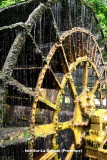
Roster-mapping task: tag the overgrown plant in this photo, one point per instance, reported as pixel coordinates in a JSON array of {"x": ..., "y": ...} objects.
[{"x": 100, "y": 7}]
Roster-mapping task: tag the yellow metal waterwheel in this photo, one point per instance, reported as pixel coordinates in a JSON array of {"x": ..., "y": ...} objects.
[{"x": 75, "y": 55}]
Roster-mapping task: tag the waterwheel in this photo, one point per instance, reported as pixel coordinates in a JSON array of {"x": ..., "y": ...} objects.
[
  {"x": 63, "y": 69},
  {"x": 72, "y": 102}
]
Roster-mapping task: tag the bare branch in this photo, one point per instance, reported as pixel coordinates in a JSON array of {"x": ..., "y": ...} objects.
[
  {"x": 20, "y": 24},
  {"x": 15, "y": 49},
  {"x": 15, "y": 83},
  {"x": 20, "y": 87},
  {"x": 37, "y": 47},
  {"x": 54, "y": 24}
]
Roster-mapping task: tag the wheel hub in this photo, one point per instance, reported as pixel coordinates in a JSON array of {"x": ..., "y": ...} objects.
[{"x": 87, "y": 102}]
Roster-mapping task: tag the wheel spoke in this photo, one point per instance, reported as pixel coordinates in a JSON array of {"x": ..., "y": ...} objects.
[
  {"x": 55, "y": 78},
  {"x": 87, "y": 43},
  {"x": 80, "y": 44},
  {"x": 98, "y": 60},
  {"x": 50, "y": 81},
  {"x": 47, "y": 103},
  {"x": 48, "y": 156},
  {"x": 73, "y": 48},
  {"x": 85, "y": 76},
  {"x": 73, "y": 87},
  {"x": 78, "y": 115},
  {"x": 101, "y": 70},
  {"x": 65, "y": 125},
  {"x": 44, "y": 130},
  {"x": 70, "y": 153},
  {"x": 65, "y": 59},
  {"x": 55, "y": 24},
  {"x": 69, "y": 47},
  {"x": 95, "y": 86},
  {"x": 48, "y": 129},
  {"x": 93, "y": 52}
]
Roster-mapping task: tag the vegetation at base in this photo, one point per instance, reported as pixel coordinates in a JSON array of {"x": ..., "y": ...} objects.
[{"x": 100, "y": 7}]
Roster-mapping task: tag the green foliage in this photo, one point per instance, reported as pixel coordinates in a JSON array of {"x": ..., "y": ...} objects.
[
  {"x": 100, "y": 7},
  {"x": 4, "y": 3}
]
